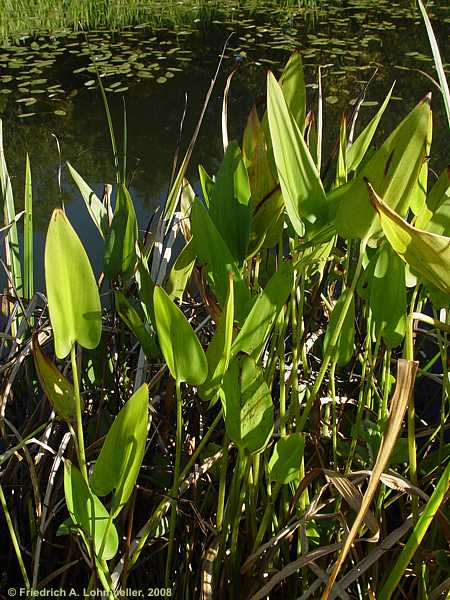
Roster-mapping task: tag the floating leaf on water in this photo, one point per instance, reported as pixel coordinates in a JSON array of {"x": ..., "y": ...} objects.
[
  {"x": 60, "y": 113},
  {"x": 121, "y": 89},
  {"x": 26, "y": 115},
  {"x": 169, "y": 74},
  {"x": 331, "y": 99},
  {"x": 161, "y": 80},
  {"x": 90, "y": 83}
]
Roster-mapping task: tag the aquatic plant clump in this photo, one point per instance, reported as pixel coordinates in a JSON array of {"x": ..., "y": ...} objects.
[{"x": 247, "y": 419}]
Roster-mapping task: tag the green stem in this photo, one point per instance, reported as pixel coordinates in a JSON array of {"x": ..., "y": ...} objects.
[
  {"x": 412, "y": 451},
  {"x": 76, "y": 387},
  {"x": 334, "y": 339},
  {"x": 222, "y": 485},
  {"x": 267, "y": 516},
  {"x": 176, "y": 477},
  {"x": 14, "y": 540},
  {"x": 416, "y": 537},
  {"x": 240, "y": 490}
]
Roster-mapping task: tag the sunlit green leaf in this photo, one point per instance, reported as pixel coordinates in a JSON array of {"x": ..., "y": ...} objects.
[
  {"x": 284, "y": 464},
  {"x": 302, "y": 189},
  {"x": 133, "y": 321},
  {"x": 213, "y": 253},
  {"x": 229, "y": 205},
  {"x": 89, "y": 514},
  {"x": 264, "y": 311},
  {"x": 73, "y": 298},
  {"x": 120, "y": 248},
  {"x": 428, "y": 254},
  {"x": 343, "y": 351},
  {"x": 247, "y": 404},
  {"x": 181, "y": 271},
  {"x": 393, "y": 170},
  {"x": 182, "y": 351},
  {"x": 120, "y": 458},
  {"x": 388, "y": 296},
  {"x": 358, "y": 149}
]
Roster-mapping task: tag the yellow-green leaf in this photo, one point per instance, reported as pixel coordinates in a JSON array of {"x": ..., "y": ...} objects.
[
  {"x": 247, "y": 404},
  {"x": 120, "y": 458},
  {"x": 302, "y": 189},
  {"x": 427, "y": 253},
  {"x": 72, "y": 292},
  {"x": 87, "y": 511},
  {"x": 181, "y": 349},
  {"x": 393, "y": 169}
]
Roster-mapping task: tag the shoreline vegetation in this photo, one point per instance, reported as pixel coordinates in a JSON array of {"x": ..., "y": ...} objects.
[
  {"x": 267, "y": 413},
  {"x": 21, "y": 18}
]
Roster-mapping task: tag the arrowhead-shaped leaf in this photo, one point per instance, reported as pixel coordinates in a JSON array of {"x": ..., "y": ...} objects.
[{"x": 73, "y": 298}]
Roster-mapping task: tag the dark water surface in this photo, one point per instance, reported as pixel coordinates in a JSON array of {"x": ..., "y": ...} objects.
[{"x": 48, "y": 94}]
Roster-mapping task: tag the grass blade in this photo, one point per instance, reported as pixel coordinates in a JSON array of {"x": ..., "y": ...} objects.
[
  {"x": 417, "y": 535},
  {"x": 28, "y": 235},
  {"x": 437, "y": 60},
  {"x": 12, "y": 240}
]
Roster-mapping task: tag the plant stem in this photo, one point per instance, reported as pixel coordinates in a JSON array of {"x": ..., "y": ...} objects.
[
  {"x": 409, "y": 355},
  {"x": 76, "y": 387},
  {"x": 222, "y": 484},
  {"x": 417, "y": 535},
  {"x": 14, "y": 540},
  {"x": 176, "y": 477},
  {"x": 334, "y": 339}
]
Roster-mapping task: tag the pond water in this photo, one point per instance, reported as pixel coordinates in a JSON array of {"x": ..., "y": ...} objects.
[{"x": 49, "y": 97}]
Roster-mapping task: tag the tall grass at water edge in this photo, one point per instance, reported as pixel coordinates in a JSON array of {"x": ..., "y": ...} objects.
[{"x": 20, "y": 18}]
